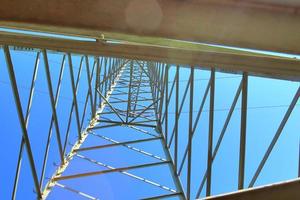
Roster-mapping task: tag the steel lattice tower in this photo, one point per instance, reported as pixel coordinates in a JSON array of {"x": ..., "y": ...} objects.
[
  {"x": 129, "y": 84},
  {"x": 157, "y": 99}
]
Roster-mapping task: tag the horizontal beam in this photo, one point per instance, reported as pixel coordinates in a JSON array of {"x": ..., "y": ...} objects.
[
  {"x": 285, "y": 190},
  {"x": 265, "y": 24},
  {"x": 109, "y": 171},
  {"x": 117, "y": 144},
  {"x": 268, "y": 66}
]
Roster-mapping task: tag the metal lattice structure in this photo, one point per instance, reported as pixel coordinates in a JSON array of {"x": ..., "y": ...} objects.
[
  {"x": 156, "y": 99},
  {"x": 133, "y": 95}
]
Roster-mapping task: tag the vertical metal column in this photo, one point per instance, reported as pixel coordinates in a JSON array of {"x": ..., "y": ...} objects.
[
  {"x": 243, "y": 132},
  {"x": 190, "y": 135},
  {"x": 176, "y": 119},
  {"x": 210, "y": 132},
  {"x": 166, "y": 103}
]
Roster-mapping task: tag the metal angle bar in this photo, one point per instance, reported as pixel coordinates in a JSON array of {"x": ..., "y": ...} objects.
[
  {"x": 124, "y": 83},
  {"x": 122, "y": 111},
  {"x": 144, "y": 111},
  {"x": 154, "y": 86},
  {"x": 141, "y": 98},
  {"x": 142, "y": 116},
  {"x": 107, "y": 120},
  {"x": 89, "y": 80},
  {"x": 21, "y": 117},
  {"x": 176, "y": 119},
  {"x": 134, "y": 114},
  {"x": 125, "y": 101},
  {"x": 74, "y": 95},
  {"x": 162, "y": 92},
  {"x": 106, "y": 83},
  {"x": 52, "y": 121},
  {"x": 275, "y": 138},
  {"x": 122, "y": 114},
  {"x": 153, "y": 83},
  {"x": 242, "y": 152},
  {"x": 138, "y": 95},
  {"x": 80, "y": 175},
  {"x": 27, "y": 115},
  {"x": 128, "y": 174},
  {"x": 120, "y": 93},
  {"x": 127, "y": 124},
  {"x": 109, "y": 74},
  {"x": 104, "y": 126},
  {"x": 76, "y": 191},
  {"x": 88, "y": 94},
  {"x": 104, "y": 75},
  {"x": 175, "y": 177},
  {"x": 163, "y": 196},
  {"x": 113, "y": 70},
  {"x": 129, "y": 147},
  {"x": 195, "y": 125},
  {"x": 115, "y": 111},
  {"x": 221, "y": 134},
  {"x": 146, "y": 121},
  {"x": 48, "y": 76},
  {"x": 117, "y": 144},
  {"x": 171, "y": 92},
  {"x": 98, "y": 76},
  {"x": 69, "y": 126},
  {"x": 139, "y": 105},
  {"x": 135, "y": 103},
  {"x": 72, "y": 107},
  {"x": 141, "y": 124},
  {"x": 129, "y": 92},
  {"x": 210, "y": 132},
  {"x": 190, "y": 135},
  {"x": 201, "y": 106},
  {"x": 141, "y": 130},
  {"x": 116, "y": 98},
  {"x": 166, "y": 103},
  {"x": 138, "y": 91},
  {"x": 159, "y": 82},
  {"x": 180, "y": 109},
  {"x": 97, "y": 84}
]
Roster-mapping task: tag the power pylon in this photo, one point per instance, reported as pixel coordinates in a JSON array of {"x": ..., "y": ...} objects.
[
  {"x": 116, "y": 116},
  {"x": 129, "y": 100}
]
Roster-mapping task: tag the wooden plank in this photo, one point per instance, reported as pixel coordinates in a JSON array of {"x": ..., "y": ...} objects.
[
  {"x": 266, "y": 24},
  {"x": 288, "y": 190}
]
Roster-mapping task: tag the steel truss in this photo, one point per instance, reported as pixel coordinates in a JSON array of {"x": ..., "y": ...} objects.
[{"x": 130, "y": 95}]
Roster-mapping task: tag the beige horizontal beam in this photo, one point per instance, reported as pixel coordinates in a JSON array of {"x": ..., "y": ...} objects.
[
  {"x": 276, "y": 67},
  {"x": 286, "y": 190},
  {"x": 265, "y": 24}
]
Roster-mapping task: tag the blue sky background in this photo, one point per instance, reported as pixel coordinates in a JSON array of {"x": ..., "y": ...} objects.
[{"x": 268, "y": 100}]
